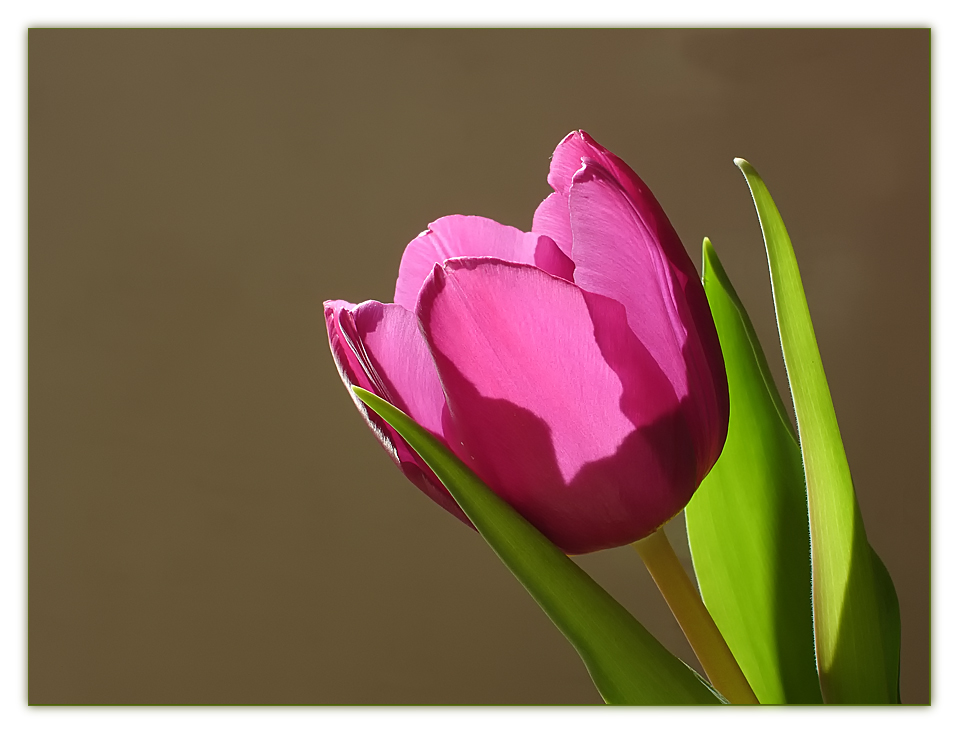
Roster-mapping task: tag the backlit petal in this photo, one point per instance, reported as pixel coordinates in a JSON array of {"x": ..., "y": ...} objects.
[
  {"x": 379, "y": 347},
  {"x": 457, "y": 236}
]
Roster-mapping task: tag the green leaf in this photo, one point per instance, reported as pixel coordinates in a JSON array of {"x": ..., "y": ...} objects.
[
  {"x": 747, "y": 523},
  {"x": 855, "y": 609},
  {"x": 626, "y": 663}
]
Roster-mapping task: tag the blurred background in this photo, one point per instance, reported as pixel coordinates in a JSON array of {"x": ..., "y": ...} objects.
[{"x": 211, "y": 522}]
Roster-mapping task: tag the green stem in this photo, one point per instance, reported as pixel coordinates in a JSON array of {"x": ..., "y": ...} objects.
[{"x": 684, "y": 601}]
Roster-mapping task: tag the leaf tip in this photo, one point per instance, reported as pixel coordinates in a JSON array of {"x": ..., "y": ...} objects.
[
  {"x": 708, "y": 257},
  {"x": 746, "y": 168},
  {"x": 712, "y": 268},
  {"x": 364, "y": 395}
]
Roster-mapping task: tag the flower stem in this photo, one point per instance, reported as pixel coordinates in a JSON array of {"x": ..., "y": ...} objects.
[{"x": 684, "y": 601}]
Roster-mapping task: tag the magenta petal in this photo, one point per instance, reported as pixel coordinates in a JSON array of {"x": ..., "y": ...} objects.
[
  {"x": 568, "y": 157},
  {"x": 567, "y": 160},
  {"x": 619, "y": 255},
  {"x": 379, "y": 347},
  {"x": 457, "y": 236},
  {"x": 556, "y": 404}
]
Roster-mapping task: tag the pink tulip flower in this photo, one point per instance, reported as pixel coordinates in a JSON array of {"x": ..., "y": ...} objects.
[{"x": 575, "y": 368}]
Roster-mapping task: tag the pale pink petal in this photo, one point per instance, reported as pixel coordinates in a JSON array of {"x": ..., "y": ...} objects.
[
  {"x": 555, "y": 403},
  {"x": 458, "y": 235},
  {"x": 379, "y": 347},
  {"x": 552, "y": 218}
]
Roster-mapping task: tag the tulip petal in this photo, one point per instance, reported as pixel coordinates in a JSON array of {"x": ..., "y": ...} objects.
[
  {"x": 567, "y": 160},
  {"x": 552, "y": 218},
  {"x": 568, "y": 157},
  {"x": 619, "y": 255},
  {"x": 608, "y": 262},
  {"x": 379, "y": 347},
  {"x": 553, "y": 215},
  {"x": 458, "y": 236},
  {"x": 555, "y": 403}
]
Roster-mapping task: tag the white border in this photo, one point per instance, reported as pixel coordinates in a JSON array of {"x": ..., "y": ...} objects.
[{"x": 17, "y": 17}]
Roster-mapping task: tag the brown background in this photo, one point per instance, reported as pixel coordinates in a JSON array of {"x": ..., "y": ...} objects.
[{"x": 209, "y": 519}]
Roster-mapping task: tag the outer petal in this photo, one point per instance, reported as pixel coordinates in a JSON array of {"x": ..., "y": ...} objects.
[
  {"x": 457, "y": 236},
  {"x": 555, "y": 403},
  {"x": 568, "y": 157},
  {"x": 379, "y": 347},
  {"x": 620, "y": 255}
]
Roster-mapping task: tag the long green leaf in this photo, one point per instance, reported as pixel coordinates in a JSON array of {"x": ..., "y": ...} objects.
[
  {"x": 626, "y": 663},
  {"x": 747, "y": 523},
  {"x": 855, "y": 608}
]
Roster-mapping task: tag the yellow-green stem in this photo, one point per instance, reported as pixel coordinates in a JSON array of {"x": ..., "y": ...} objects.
[{"x": 711, "y": 650}]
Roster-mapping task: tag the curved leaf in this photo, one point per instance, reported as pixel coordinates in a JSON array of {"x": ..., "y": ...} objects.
[
  {"x": 855, "y": 608},
  {"x": 626, "y": 663},
  {"x": 747, "y": 523}
]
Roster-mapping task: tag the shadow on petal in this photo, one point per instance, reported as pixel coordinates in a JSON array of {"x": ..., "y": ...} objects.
[{"x": 610, "y": 502}]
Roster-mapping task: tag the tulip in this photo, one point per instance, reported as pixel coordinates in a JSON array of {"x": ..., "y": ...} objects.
[{"x": 574, "y": 368}]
